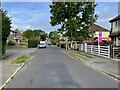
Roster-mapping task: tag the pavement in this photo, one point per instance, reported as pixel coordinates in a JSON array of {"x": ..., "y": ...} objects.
[
  {"x": 52, "y": 68},
  {"x": 106, "y": 65},
  {"x": 11, "y": 54}
]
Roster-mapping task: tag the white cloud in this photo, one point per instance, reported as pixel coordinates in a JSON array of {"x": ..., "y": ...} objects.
[
  {"x": 26, "y": 18},
  {"x": 23, "y": 18}
]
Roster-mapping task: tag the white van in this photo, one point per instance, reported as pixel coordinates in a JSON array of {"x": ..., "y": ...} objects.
[{"x": 42, "y": 44}]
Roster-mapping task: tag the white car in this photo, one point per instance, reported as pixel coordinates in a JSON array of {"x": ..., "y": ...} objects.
[{"x": 42, "y": 44}]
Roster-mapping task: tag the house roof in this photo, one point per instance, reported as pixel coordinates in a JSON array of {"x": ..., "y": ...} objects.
[
  {"x": 96, "y": 27},
  {"x": 18, "y": 32},
  {"x": 115, "y": 19},
  {"x": 12, "y": 31}
]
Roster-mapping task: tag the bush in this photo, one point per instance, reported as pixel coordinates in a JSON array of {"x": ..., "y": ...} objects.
[
  {"x": 53, "y": 42},
  {"x": 103, "y": 43},
  {"x": 32, "y": 43},
  {"x": 23, "y": 43},
  {"x": 11, "y": 43},
  {"x": 3, "y": 46}
]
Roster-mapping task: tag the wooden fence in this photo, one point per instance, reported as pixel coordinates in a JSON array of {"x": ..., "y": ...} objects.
[{"x": 103, "y": 51}]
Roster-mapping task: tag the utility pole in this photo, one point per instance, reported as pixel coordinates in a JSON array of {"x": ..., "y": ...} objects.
[
  {"x": 71, "y": 38},
  {"x": 92, "y": 21}
]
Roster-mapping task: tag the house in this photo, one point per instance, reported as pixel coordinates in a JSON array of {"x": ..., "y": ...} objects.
[
  {"x": 96, "y": 29},
  {"x": 11, "y": 36},
  {"x": 18, "y": 36},
  {"x": 62, "y": 41},
  {"x": 115, "y": 30},
  {"x": 15, "y": 36},
  {"x": 115, "y": 36}
]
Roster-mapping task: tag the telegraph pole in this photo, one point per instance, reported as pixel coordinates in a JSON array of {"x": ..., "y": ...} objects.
[{"x": 92, "y": 20}]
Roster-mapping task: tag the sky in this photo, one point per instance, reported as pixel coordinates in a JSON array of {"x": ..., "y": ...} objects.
[{"x": 36, "y": 15}]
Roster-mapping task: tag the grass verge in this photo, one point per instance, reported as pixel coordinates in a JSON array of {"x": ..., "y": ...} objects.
[
  {"x": 20, "y": 59},
  {"x": 77, "y": 56}
]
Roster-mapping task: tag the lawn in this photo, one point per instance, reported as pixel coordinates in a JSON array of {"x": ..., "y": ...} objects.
[
  {"x": 77, "y": 56},
  {"x": 20, "y": 59}
]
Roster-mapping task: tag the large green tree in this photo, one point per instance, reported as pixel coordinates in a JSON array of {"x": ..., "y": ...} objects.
[
  {"x": 54, "y": 36},
  {"x": 6, "y": 25},
  {"x": 33, "y": 33},
  {"x": 28, "y": 33},
  {"x": 73, "y": 16}
]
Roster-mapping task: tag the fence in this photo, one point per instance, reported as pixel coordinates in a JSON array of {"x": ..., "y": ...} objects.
[
  {"x": 103, "y": 51},
  {"x": 116, "y": 52}
]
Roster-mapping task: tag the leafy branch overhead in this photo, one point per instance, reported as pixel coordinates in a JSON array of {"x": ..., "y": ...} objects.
[{"x": 73, "y": 16}]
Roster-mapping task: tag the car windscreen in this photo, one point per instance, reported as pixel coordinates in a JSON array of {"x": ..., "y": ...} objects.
[{"x": 42, "y": 43}]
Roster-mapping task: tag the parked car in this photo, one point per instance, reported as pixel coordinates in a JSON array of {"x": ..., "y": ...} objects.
[
  {"x": 49, "y": 43},
  {"x": 42, "y": 44}
]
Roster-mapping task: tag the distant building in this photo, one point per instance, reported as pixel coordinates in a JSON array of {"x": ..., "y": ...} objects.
[
  {"x": 96, "y": 29},
  {"x": 15, "y": 36}
]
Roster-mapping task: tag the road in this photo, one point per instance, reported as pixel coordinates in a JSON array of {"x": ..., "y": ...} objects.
[{"x": 51, "y": 68}]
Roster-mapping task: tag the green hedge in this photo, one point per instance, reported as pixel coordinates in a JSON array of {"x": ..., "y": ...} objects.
[
  {"x": 3, "y": 46},
  {"x": 53, "y": 42},
  {"x": 11, "y": 43},
  {"x": 32, "y": 43}
]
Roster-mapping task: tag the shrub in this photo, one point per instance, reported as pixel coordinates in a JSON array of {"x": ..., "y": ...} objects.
[
  {"x": 11, "y": 43},
  {"x": 3, "y": 46},
  {"x": 32, "y": 43},
  {"x": 23, "y": 43},
  {"x": 53, "y": 42}
]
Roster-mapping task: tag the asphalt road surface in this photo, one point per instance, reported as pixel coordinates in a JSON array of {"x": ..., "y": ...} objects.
[{"x": 51, "y": 68}]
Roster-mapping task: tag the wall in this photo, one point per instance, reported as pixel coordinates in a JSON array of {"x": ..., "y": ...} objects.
[{"x": 104, "y": 34}]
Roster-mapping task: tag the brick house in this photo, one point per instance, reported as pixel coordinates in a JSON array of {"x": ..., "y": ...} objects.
[
  {"x": 96, "y": 29},
  {"x": 15, "y": 36}
]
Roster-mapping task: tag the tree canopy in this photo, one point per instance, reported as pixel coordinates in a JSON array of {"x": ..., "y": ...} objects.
[
  {"x": 54, "y": 36},
  {"x": 73, "y": 16},
  {"x": 33, "y": 33}
]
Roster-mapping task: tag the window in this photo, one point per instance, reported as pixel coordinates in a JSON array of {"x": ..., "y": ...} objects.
[
  {"x": 116, "y": 23},
  {"x": 119, "y": 23}
]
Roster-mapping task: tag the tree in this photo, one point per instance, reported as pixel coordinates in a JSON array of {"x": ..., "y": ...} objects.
[
  {"x": 73, "y": 16},
  {"x": 54, "y": 36},
  {"x": 33, "y": 33},
  {"x": 6, "y": 25},
  {"x": 43, "y": 37},
  {"x": 38, "y": 32},
  {"x": 28, "y": 33}
]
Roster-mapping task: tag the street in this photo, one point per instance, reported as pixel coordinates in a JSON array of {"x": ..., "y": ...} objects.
[{"x": 51, "y": 68}]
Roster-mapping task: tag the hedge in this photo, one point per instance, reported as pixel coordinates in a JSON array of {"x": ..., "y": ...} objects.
[
  {"x": 32, "y": 43},
  {"x": 11, "y": 43},
  {"x": 4, "y": 45}
]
